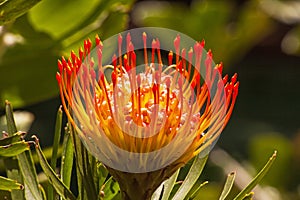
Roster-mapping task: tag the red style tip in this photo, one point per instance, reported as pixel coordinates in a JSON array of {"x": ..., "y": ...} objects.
[
  {"x": 236, "y": 89},
  {"x": 202, "y": 43},
  {"x": 120, "y": 39},
  {"x": 170, "y": 56},
  {"x": 64, "y": 62},
  {"x": 81, "y": 53},
  {"x": 60, "y": 66},
  {"x": 225, "y": 79},
  {"x": 220, "y": 68},
  {"x": 190, "y": 54},
  {"x": 58, "y": 78},
  {"x": 114, "y": 61},
  {"x": 128, "y": 38},
  {"x": 133, "y": 59},
  {"x": 234, "y": 78},
  {"x": 69, "y": 70},
  {"x": 177, "y": 42},
  {"x": 130, "y": 47},
  {"x": 153, "y": 44},
  {"x": 97, "y": 40},
  {"x": 183, "y": 53},
  {"x": 126, "y": 65},
  {"x": 144, "y": 37},
  {"x": 157, "y": 44},
  {"x": 209, "y": 54},
  {"x": 73, "y": 56},
  {"x": 89, "y": 43},
  {"x": 87, "y": 46},
  {"x": 70, "y": 64}
]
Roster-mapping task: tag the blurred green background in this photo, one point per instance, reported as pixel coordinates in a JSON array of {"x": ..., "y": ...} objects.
[{"x": 258, "y": 39}]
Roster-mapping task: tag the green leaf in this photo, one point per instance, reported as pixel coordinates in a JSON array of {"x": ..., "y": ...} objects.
[
  {"x": 228, "y": 185},
  {"x": 55, "y": 147},
  {"x": 11, "y": 125},
  {"x": 191, "y": 178},
  {"x": 32, "y": 187},
  {"x": 59, "y": 186},
  {"x": 168, "y": 185},
  {"x": 9, "y": 184},
  {"x": 68, "y": 15},
  {"x": 119, "y": 20},
  {"x": 165, "y": 189},
  {"x": 106, "y": 14},
  {"x": 28, "y": 67},
  {"x": 103, "y": 173},
  {"x": 26, "y": 164},
  {"x": 12, "y": 139},
  {"x": 86, "y": 167},
  {"x": 257, "y": 179},
  {"x": 110, "y": 189},
  {"x": 67, "y": 159},
  {"x": 57, "y": 134},
  {"x": 196, "y": 192},
  {"x": 14, "y": 149},
  {"x": 10, "y": 10},
  {"x": 248, "y": 196},
  {"x": 158, "y": 192},
  {"x": 11, "y": 164},
  {"x": 47, "y": 152},
  {"x": 68, "y": 25}
]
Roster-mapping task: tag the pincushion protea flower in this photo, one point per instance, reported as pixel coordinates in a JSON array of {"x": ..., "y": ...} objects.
[{"x": 144, "y": 122}]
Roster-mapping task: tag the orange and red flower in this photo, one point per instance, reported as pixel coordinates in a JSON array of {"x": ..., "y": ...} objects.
[{"x": 142, "y": 118}]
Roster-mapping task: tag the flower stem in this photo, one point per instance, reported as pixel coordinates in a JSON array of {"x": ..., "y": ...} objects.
[{"x": 137, "y": 186}]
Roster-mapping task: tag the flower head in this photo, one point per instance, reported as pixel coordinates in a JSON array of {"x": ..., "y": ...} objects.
[
  {"x": 147, "y": 118},
  {"x": 173, "y": 111},
  {"x": 140, "y": 118}
]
